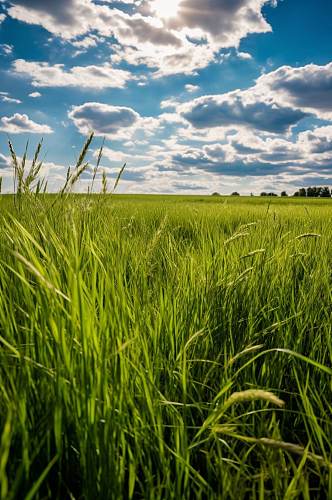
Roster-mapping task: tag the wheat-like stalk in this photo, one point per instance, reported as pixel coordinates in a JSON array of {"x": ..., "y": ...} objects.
[
  {"x": 104, "y": 183},
  {"x": 253, "y": 395},
  {"x": 100, "y": 154},
  {"x": 273, "y": 443},
  {"x": 236, "y": 237},
  {"x": 253, "y": 253},
  {"x": 308, "y": 235}
]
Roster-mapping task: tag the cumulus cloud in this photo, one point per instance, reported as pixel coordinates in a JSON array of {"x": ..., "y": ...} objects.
[
  {"x": 308, "y": 87},
  {"x": 216, "y": 159},
  {"x": 137, "y": 29},
  {"x": 225, "y": 22},
  {"x": 5, "y": 97},
  {"x": 165, "y": 61},
  {"x": 34, "y": 95},
  {"x": 114, "y": 122},
  {"x": 222, "y": 22},
  {"x": 2, "y": 18},
  {"x": 18, "y": 124},
  {"x": 70, "y": 19},
  {"x": 317, "y": 141},
  {"x": 6, "y": 48},
  {"x": 4, "y": 162},
  {"x": 45, "y": 75},
  {"x": 10, "y": 100},
  {"x": 102, "y": 118},
  {"x": 278, "y": 100},
  {"x": 191, "y": 88},
  {"x": 240, "y": 108},
  {"x": 87, "y": 42},
  {"x": 311, "y": 148},
  {"x": 244, "y": 55},
  {"x": 169, "y": 103},
  {"x": 117, "y": 156},
  {"x": 243, "y": 152},
  {"x": 64, "y": 18},
  {"x": 182, "y": 44}
]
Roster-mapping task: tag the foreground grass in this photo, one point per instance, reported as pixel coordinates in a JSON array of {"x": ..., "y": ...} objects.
[{"x": 164, "y": 348}]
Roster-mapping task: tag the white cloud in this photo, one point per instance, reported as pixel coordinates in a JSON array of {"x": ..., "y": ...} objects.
[
  {"x": 252, "y": 158},
  {"x": 191, "y": 88},
  {"x": 5, "y": 97},
  {"x": 123, "y": 157},
  {"x": 182, "y": 44},
  {"x": 113, "y": 122},
  {"x": 317, "y": 141},
  {"x": 10, "y": 100},
  {"x": 246, "y": 108},
  {"x": 166, "y": 60},
  {"x": 244, "y": 55},
  {"x": 308, "y": 87},
  {"x": 2, "y": 18},
  {"x": 34, "y": 95},
  {"x": 103, "y": 119},
  {"x": 64, "y": 18},
  {"x": 223, "y": 23},
  {"x": 43, "y": 74},
  {"x": 18, "y": 124},
  {"x": 169, "y": 103},
  {"x": 6, "y": 49},
  {"x": 278, "y": 100},
  {"x": 87, "y": 42},
  {"x": 70, "y": 19},
  {"x": 4, "y": 162}
]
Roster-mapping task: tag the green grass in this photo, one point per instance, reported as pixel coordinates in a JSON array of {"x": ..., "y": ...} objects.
[{"x": 128, "y": 325}]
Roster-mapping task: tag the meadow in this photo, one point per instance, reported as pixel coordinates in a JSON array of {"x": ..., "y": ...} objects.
[{"x": 165, "y": 347}]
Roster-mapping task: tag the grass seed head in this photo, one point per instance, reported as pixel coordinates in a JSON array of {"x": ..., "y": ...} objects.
[{"x": 254, "y": 395}]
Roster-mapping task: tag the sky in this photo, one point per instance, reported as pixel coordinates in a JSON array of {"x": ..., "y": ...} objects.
[{"x": 196, "y": 96}]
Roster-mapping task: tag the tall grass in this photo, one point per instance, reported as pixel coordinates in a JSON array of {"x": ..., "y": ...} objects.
[{"x": 165, "y": 348}]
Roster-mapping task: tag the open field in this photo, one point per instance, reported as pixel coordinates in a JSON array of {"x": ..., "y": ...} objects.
[{"x": 165, "y": 348}]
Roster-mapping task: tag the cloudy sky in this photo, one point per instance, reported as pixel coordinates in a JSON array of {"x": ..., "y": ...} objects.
[{"x": 195, "y": 95}]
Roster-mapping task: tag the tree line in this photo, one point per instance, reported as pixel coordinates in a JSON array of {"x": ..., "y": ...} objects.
[
  {"x": 314, "y": 192},
  {"x": 310, "y": 192}
]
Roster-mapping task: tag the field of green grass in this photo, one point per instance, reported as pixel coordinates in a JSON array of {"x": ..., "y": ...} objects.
[{"x": 165, "y": 348}]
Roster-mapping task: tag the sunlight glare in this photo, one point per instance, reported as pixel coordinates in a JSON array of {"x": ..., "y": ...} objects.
[{"x": 166, "y": 9}]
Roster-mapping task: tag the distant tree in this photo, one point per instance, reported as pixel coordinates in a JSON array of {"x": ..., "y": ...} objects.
[
  {"x": 264, "y": 194},
  {"x": 252, "y": 194},
  {"x": 216, "y": 194},
  {"x": 235, "y": 193},
  {"x": 283, "y": 193},
  {"x": 301, "y": 192},
  {"x": 272, "y": 194},
  {"x": 325, "y": 192},
  {"x": 314, "y": 192}
]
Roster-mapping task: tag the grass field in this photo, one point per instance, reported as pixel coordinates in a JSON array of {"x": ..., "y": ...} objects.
[{"x": 165, "y": 348}]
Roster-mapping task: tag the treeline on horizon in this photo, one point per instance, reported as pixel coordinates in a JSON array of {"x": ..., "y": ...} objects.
[{"x": 310, "y": 192}]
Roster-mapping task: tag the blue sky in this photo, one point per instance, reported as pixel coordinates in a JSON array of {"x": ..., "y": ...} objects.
[{"x": 196, "y": 96}]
